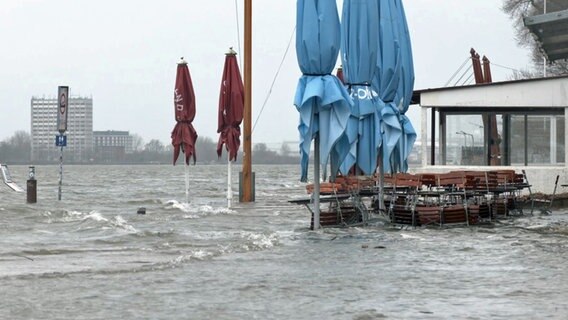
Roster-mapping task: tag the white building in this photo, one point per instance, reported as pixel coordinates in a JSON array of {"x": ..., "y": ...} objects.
[
  {"x": 44, "y": 129},
  {"x": 532, "y": 117}
]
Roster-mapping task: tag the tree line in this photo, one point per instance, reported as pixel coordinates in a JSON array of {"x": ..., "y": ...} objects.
[{"x": 17, "y": 150}]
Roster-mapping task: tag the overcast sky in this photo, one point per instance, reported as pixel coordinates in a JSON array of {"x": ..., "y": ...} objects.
[{"x": 124, "y": 54}]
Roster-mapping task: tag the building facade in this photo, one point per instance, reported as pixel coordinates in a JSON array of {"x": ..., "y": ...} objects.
[
  {"x": 111, "y": 146},
  {"x": 531, "y": 117},
  {"x": 79, "y": 129}
]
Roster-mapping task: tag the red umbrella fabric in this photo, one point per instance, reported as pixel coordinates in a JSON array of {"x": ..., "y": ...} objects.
[
  {"x": 184, "y": 135},
  {"x": 231, "y": 106}
]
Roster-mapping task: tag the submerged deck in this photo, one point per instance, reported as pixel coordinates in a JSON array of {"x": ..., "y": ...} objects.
[{"x": 452, "y": 198}]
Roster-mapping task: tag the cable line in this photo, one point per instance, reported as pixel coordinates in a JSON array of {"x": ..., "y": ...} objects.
[
  {"x": 458, "y": 70},
  {"x": 238, "y": 33},
  {"x": 274, "y": 80}
]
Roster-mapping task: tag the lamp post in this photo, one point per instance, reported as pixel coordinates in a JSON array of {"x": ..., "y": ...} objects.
[
  {"x": 464, "y": 137},
  {"x": 465, "y": 134},
  {"x": 472, "y": 140}
]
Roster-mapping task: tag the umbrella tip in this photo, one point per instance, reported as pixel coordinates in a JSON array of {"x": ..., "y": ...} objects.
[
  {"x": 182, "y": 61},
  {"x": 231, "y": 52}
]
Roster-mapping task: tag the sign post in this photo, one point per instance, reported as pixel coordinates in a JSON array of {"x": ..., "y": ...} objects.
[{"x": 61, "y": 139}]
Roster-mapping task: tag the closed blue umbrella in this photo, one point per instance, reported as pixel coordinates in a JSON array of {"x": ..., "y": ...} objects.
[
  {"x": 406, "y": 87},
  {"x": 321, "y": 99},
  {"x": 359, "y": 45},
  {"x": 394, "y": 80}
]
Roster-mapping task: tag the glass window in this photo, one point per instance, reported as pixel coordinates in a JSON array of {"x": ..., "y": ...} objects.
[{"x": 480, "y": 139}]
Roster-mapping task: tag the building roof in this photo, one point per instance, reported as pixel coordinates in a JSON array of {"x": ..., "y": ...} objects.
[
  {"x": 551, "y": 31},
  {"x": 111, "y": 133},
  {"x": 549, "y": 92}
]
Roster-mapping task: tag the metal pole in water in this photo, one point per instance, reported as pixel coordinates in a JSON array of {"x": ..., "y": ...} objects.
[
  {"x": 187, "y": 183},
  {"x": 381, "y": 182},
  {"x": 316, "y": 184},
  {"x": 229, "y": 189},
  {"x": 61, "y": 140},
  {"x": 60, "y": 173}
]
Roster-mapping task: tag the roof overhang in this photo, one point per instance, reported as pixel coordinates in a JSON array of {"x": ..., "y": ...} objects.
[
  {"x": 551, "y": 31},
  {"x": 542, "y": 93}
]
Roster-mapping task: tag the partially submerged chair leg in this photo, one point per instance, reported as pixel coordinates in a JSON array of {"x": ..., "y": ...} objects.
[
  {"x": 531, "y": 199},
  {"x": 548, "y": 210}
]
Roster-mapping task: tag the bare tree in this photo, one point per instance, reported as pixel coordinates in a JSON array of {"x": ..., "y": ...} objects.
[
  {"x": 155, "y": 146},
  {"x": 517, "y": 11},
  {"x": 137, "y": 142},
  {"x": 17, "y": 148},
  {"x": 285, "y": 149}
]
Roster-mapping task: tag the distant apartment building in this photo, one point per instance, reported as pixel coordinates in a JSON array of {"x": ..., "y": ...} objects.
[
  {"x": 79, "y": 129},
  {"x": 112, "y": 145}
]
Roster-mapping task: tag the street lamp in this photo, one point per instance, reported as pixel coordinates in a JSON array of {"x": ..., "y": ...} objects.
[
  {"x": 464, "y": 137},
  {"x": 465, "y": 134}
]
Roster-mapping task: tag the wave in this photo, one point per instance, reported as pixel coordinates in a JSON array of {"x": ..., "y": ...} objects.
[
  {"x": 128, "y": 259},
  {"x": 196, "y": 211},
  {"x": 92, "y": 219}
]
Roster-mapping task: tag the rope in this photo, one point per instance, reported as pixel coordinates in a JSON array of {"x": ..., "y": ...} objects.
[
  {"x": 274, "y": 80},
  {"x": 468, "y": 80},
  {"x": 238, "y": 33},
  {"x": 457, "y": 71},
  {"x": 466, "y": 71},
  {"x": 504, "y": 67}
]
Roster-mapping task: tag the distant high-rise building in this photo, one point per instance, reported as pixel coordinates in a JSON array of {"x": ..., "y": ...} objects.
[
  {"x": 112, "y": 145},
  {"x": 79, "y": 129}
]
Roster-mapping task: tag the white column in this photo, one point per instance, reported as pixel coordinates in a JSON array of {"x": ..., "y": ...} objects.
[
  {"x": 553, "y": 142},
  {"x": 424, "y": 137}
]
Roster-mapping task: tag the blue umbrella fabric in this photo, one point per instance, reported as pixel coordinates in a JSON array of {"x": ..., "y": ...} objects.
[
  {"x": 321, "y": 99},
  {"x": 359, "y": 45},
  {"x": 388, "y": 79},
  {"x": 405, "y": 89}
]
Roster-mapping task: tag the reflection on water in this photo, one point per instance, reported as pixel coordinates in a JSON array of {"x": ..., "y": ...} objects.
[{"x": 91, "y": 256}]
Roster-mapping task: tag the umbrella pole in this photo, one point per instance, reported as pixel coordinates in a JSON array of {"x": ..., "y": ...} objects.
[
  {"x": 187, "y": 183},
  {"x": 229, "y": 189},
  {"x": 381, "y": 181},
  {"x": 316, "y": 183}
]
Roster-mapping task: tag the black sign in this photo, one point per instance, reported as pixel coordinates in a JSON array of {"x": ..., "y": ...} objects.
[{"x": 61, "y": 141}]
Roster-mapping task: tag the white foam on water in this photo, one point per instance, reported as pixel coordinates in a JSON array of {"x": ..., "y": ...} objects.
[
  {"x": 196, "y": 211},
  {"x": 201, "y": 255},
  {"x": 93, "y": 215},
  {"x": 120, "y": 223},
  {"x": 194, "y": 255},
  {"x": 409, "y": 236},
  {"x": 259, "y": 241}
]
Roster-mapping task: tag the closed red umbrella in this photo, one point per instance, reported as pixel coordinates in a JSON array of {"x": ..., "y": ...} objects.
[
  {"x": 339, "y": 74},
  {"x": 231, "y": 106},
  {"x": 184, "y": 135}
]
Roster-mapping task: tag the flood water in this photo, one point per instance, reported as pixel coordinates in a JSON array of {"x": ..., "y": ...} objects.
[{"x": 91, "y": 256}]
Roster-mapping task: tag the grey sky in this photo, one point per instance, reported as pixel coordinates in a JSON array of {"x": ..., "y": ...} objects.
[{"x": 124, "y": 54}]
